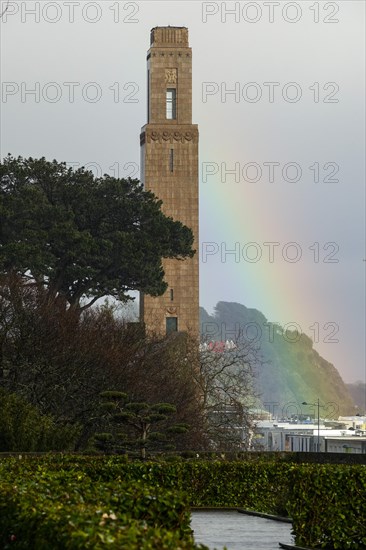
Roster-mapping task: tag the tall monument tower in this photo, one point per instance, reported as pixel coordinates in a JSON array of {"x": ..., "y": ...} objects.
[{"x": 169, "y": 168}]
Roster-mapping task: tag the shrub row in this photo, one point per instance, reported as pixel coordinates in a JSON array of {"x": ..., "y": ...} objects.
[
  {"x": 328, "y": 506},
  {"x": 327, "y": 502},
  {"x": 44, "y": 507}
]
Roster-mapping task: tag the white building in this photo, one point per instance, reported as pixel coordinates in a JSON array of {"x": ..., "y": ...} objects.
[{"x": 287, "y": 436}]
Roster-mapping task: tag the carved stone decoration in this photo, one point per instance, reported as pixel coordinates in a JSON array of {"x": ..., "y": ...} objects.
[
  {"x": 165, "y": 135},
  {"x": 170, "y": 76},
  {"x": 171, "y": 310},
  {"x": 169, "y": 35}
]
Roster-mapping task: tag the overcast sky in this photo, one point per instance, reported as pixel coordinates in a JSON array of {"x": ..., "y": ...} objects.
[{"x": 278, "y": 94}]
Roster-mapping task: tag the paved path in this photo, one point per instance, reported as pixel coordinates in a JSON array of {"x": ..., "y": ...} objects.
[{"x": 237, "y": 531}]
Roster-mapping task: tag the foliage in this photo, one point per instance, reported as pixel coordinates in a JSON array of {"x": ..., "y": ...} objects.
[
  {"x": 63, "y": 499},
  {"x": 139, "y": 419},
  {"x": 290, "y": 371},
  {"x": 82, "y": 237},
  {"x": 74, "y": 512},
  {"x": 328, "y": 504},
  {"x": 23, "y": 428},
  {"x": 60, "y": 363}
]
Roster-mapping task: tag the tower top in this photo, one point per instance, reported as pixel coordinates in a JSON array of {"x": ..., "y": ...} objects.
[{"x": 169, "y": 37}]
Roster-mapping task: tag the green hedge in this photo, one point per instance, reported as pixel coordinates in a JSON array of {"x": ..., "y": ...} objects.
[
  {"x": 44, "y": 507},
  {"x": 63, "y": 499},
  {"x": 328, "y": 506}
]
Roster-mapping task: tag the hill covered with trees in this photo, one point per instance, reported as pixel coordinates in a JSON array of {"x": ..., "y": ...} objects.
[{"x": 288, "y": 370}]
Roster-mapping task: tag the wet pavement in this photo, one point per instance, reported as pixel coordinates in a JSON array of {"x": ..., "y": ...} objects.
[{"x": 219, "y": 528}]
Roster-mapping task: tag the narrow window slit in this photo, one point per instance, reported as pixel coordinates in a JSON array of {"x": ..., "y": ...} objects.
[{"x": 171, "y": 160}]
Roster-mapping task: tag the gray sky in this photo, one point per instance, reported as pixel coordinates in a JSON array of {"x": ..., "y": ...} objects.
[{"x": 278, "y": 93}]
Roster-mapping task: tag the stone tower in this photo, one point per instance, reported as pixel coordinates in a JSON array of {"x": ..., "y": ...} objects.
[{"x": 169, "y": 168}]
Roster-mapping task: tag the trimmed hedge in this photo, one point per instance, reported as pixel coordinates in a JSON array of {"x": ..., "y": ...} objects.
[
  {"x": 63, "y": 498},
  {"x": 328, "y": 506},
  {"x": 43, "y": 508}
]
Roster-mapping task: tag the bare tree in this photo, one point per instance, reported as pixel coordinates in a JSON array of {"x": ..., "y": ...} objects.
[
  {"x": 224, "y": 378},
  {"x": 60, "y": 363}
]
